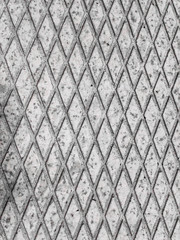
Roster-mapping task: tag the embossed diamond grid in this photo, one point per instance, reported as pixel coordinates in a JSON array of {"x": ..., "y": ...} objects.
[{"x": 90, "y": 130}]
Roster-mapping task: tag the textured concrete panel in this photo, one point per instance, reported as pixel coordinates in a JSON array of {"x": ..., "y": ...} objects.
[{"x": 89, "y": 120}]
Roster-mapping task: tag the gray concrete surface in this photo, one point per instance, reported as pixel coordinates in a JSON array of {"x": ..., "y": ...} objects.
[{"x": 89, "y": 119}]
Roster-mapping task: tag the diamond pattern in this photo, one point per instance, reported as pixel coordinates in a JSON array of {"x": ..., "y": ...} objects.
[
  {"x": 152, "y": 19},
  {"x": 170, "y": 164},
  {"x": 26, "y": 32},
  {"x": 160, "y": 188},
  {"x": 83, "y": 190},
  {"x": 104, "y": 138},
  {"x": 124, "y": 89},
  {"x": 152, "y": 67},
  {"x": 133, "y": 66},
  {"x": 170, "y": 67},
  {"x": 175, "y": 44},
  {"x": 86, "y": 37},
  {"x": 142, "y": 138},
  {"x": 75, "y": 112},
  {"x": 95, "y": 113},
  {"x": 113, "y": 216},
  {"x": 74, "y": 164},
  {"x": 161, "y": 43},
  {"x": 176, "y": 189},
  {"x": 84, "y": 135},
  {"x": 20, "y": 235},
  {"x": 169, "y": 213},
  {"x": 151, "y": 213},
  {"x": 35, "y": 59},
  {"x": 114, "y": 113},
  {"x": 142, "y": 90},
  {"x": 36, "y": 9},
  {"x": 57, "y": 10},
  {"x": 32, "y": 164},
  {"x": 73, "y": 217},
  {"x": 105, "y": 39},
  {"x": 46, "y": 34},
  {"x": 151, "y": 114},
  {"x": 133, "y": 114},
  {"x": 116, "y": 15},
  {"x": 103, "y": 189},
  {"x": 142, "y": 188},
  {"x": 67, "y": 36},
  {"x": 151, "y": 163},
  {"x": 114, "y": 162},
  {"x": 63, "y": 191},
  {"x": 83, "y": 233},
  {"x": 123, "y": 232},
  {"x": 123, "y": 138},
  {"x": 170, "y": 20},
  {"x": 93, "y": 217},
  {"x": 97, "y": 13},
  {"x": 76, "y": 57},
  {"x": 96, "y": 63},
  {"x": 77, "y": 12},
  {"x": 66, "y": 88},
  {"x": 169, "y": 115},
  {"x": 161, "y": 232},
  {"x": 142, "y": 232},
  {"x": 42, "y": 191},
  {"x": 45, "y": 85},
  {"x": 56, "y": 61},
  {"x": 134, "y": 17},
  {"x": 14, "y": 58},
  {"x": 5, "y": 31},
  {"x": 20, "y": 192},
  {"x": 160, "y": 139},
  {"x": 132, "y": 214},
  {"x": 44, "y": 137},
  {"x": 65, "y": 137},
  {"x": 103, "y": 233},
  {"x": 122, "y": 189},
  {"x": 30, "y": 219},
  {"x": 89, "y": 130},
  {"x": 16, "y": 8},
  {"x": 5, "y": 82},
  {"x": 176, "y": 231},
  {"x": 53, "y": 163},
  {"x": 176, "y": 92},
  {"x": 12, "y": 115},
  {"x": 143, "y": 41},
  {"x": 10, "y": 164},
  {"x": 62, "y": 234},
  {"x": 133, "y": 163},
  {"x": 52, "y": 218},
  {"x": 8, "y": 220},
  {"x": 124, "y": 39},
  {"x": 105, "y": 88},
  {"x": 55, "y": 112},
  {"x": 115, "y": 64},
  {"x": 24, "y": 85},
  {"x": 22, "y": 137},
  {"x": 94, "y": 163},
  {"x": 34, "y": 112}
]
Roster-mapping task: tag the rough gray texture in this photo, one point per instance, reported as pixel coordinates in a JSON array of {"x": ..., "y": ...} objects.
[{"x": 89, "y": 119}]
